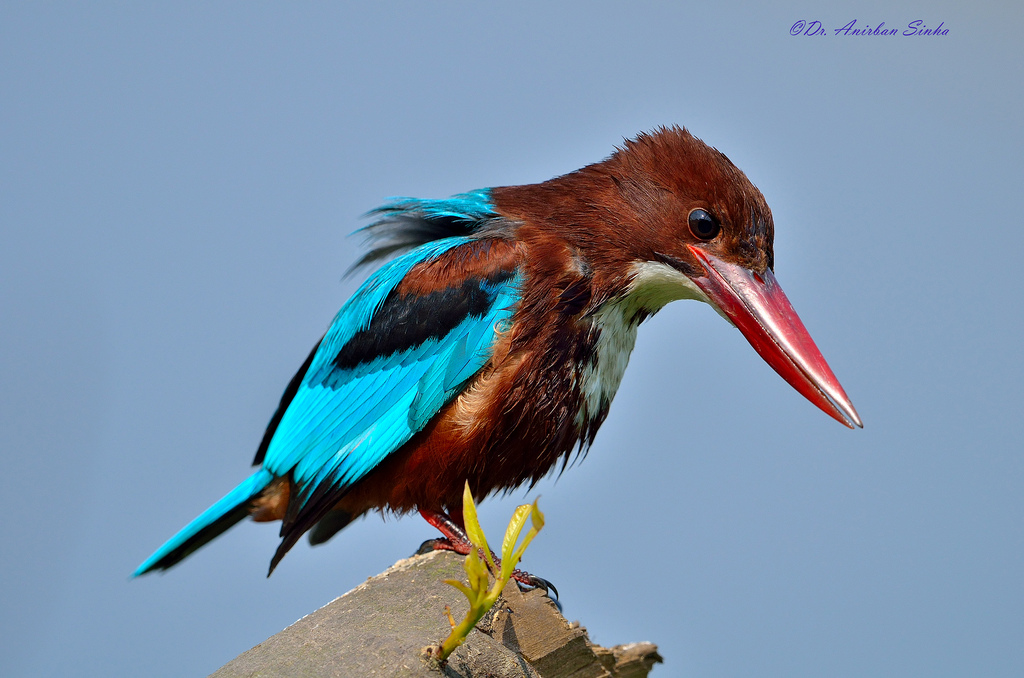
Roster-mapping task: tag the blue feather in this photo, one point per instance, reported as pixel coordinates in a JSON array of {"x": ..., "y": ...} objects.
[
  {"x": 406, "y": 223},
  {"x": 234, "y": 499},
  {"x": 473, "y": 206},
  {"x": 343, "y": 421},
  {"x": 354, "y": 406},
  {"x": 357, "y": 312}
]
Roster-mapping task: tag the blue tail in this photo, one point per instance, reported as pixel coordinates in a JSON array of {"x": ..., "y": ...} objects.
[{"x": 213, "y": 522}]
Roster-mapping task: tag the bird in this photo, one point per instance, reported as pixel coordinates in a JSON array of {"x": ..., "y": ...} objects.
[{"x": 490, "y": 341}]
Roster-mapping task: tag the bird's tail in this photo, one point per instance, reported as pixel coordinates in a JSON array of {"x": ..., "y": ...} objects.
[{"x": 213, "y": 522}]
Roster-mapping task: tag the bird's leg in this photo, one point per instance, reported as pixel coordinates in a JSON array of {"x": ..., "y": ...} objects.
[{"x": 455, "y": 539}]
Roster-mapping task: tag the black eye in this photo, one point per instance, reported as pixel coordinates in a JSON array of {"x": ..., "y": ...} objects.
[{"x": 702, "y": 224}]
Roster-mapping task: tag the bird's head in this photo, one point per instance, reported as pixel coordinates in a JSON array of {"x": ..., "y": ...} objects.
[{"x": 668, "y": 217}]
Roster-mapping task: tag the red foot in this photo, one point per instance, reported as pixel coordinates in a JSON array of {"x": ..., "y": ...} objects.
[{"x": 456, "y": 539}]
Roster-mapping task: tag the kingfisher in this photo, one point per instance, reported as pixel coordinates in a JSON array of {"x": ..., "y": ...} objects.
[{"x": 490, "y": 344}]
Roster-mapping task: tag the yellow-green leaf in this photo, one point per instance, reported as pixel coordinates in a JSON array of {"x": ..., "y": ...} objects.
[
  {"x": 473, "y": 529},
  {"x": 536, "y": 516},
  {"x": 538, "y": 524},
  {"x": 466, "y": 591},
  {"x": 515, "y": 526},
  {"x": 476, "y": 571}
]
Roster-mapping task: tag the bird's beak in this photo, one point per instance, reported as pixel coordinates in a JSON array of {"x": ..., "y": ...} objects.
[{"x": 756, "y": 304}]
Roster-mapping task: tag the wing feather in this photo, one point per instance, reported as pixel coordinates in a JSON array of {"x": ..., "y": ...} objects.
[{"x": 354, "y": 407}]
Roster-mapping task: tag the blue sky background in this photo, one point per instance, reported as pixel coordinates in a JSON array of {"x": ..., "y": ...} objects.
[{"x": 176, "y": 190}]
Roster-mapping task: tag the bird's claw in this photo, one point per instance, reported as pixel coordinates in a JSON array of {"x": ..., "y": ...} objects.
[
  {"x": 535, "y": 582},
  {"x": 430, "y": 545}
]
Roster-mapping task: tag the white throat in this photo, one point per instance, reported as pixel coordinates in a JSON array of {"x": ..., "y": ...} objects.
[{"x": 653, "y": 284}]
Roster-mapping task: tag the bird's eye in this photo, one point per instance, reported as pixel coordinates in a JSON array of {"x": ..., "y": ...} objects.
[{"x": 702, "y": 224}]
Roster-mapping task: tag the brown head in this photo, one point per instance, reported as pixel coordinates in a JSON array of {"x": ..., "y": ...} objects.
[{"x": 668, "y": 217}]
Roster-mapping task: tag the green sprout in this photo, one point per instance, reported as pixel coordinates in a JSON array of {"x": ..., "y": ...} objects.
[{"x": 481, "y": 598}]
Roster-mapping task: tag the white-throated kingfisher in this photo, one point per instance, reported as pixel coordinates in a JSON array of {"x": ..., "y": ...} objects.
[{"x": 492, "y": 345}]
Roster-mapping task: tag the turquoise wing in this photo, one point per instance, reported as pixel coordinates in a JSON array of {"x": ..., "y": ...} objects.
[{"x": 386, "y": 366}]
